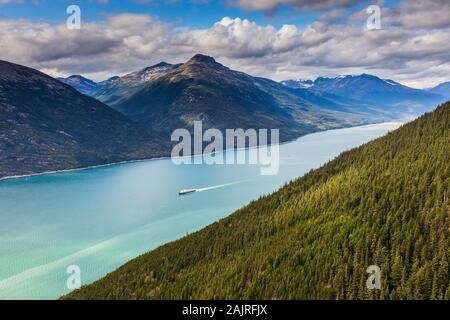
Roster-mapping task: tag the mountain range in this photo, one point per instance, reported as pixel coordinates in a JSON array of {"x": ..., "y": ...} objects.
[
  {"x": 203, "y": 89},
  {"x": 443, "y": 89},
  {"x": 298, "y": 83},
  {"x": 169, "y": 96},
  {"x": 46, "y": 125},
  {"x": 386, "y": 96},
  {"x": 165, "y": 97},
  {"x": 383, "y": 204},
  {"x": 84, "y": 85}
]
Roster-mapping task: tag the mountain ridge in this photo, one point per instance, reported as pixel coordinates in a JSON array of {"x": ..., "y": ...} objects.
[
  {"x": 365, "y": 96},
  {"x": 384, "y": 95},
  {"x": 202, "y": 89},
  {"x": 442, "y": 89},
  {"x": 46, "y": 125}
]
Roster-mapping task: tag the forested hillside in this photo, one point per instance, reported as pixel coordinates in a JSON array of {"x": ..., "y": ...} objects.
[{"x": 385, "y": 203}]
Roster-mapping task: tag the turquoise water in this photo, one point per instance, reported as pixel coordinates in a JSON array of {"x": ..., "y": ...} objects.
[{"x": 100, "y": 218}]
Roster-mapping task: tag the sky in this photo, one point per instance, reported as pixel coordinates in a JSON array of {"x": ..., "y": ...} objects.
[{"x": 277, "y": 39}]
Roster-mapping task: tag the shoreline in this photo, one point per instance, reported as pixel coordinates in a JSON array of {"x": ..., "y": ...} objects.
[
  {"x": 168, "y": 157},
  {"x": 80, "y": 169}
]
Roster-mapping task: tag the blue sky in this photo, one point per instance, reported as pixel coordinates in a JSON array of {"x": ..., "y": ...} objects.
[
  {"x": 197, "y": 14},
  {"x": 186, "y": 13}
]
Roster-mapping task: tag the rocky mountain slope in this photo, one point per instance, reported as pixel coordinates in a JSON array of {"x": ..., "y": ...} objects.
[
  {"x": 175, "y": 96},
  {"x": 46, "y": 125}
]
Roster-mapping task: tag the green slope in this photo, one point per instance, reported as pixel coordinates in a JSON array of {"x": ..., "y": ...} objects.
[{"x": 384, "y": 203}]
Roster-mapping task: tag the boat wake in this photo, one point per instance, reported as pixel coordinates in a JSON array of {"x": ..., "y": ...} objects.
[{"x": 220, "y": 186}]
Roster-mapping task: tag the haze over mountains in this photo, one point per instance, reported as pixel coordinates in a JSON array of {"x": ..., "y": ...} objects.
[
  {"x": 84, "y": 85},
  {"x": 442, "y": 89},
  {"x": 46, "y": 125},
  {"x": 393, "y": 98}
]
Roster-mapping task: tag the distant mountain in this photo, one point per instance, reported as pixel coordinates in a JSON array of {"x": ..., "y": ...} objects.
[
  {"x": 107, "y": 81},
  {"x": 165, "y": 97},
  {"x": 80, "y": 83},
  {"x": 299, "y": 83},
  {"x": 86, "y": 86},
  {"x": 392, "y": 97},
  {"x": 384, "y": 204},
  {"x": 46, "y": 125},
  {"x": 442, "y": 89},
  {"x": 120, "y": 88}
]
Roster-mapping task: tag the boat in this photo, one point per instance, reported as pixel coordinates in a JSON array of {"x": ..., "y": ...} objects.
[{"x": 186, "y": 191}]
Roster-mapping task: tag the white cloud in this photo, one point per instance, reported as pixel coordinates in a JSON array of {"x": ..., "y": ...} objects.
[
  {"x": 420, "y": 14},
  {"x": 271, "y": 5},
  {"x": 241, "y": 38},
  {"x": 127, "y": 42}
]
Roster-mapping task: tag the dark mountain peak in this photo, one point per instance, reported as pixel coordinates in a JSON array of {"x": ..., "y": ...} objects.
[
  {"x": 442, "y": 85},
  {"x": 79, "y": 78},
  {"x": 366, "y": 75},
  {"x": 442, "y": 89},
  {"x": 6, "y": 65},
  {"x": 75, "y": 76},
  {"x": 113, "y": 78},
  {"x": 298, "y": 83},
  {"x": 148, "y": 74},
  {"x": 108, "y": 81},
  {"x": 159, "y": 66},
  {"x": 10, "y": 71},
  {"x": 204, "y": 67},
  {"x": 201, "y": 58},
  {"x": 80, "y": 83},
  {"x": 162, "y": 64}
]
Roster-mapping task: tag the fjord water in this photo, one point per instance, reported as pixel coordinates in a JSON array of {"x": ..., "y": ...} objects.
[{"x": 100, "y": 218}]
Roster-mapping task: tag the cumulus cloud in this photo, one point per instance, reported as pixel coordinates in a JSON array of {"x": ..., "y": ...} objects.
[
  {"x": 97, "y": 48},
  {"x": 241, "y": 38},
  {"x": 272, "y": 5},
  {"x": 123, "y": 43},
  {"x": 420, "y": 14},
  {"x": 413, "y": 14}
]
